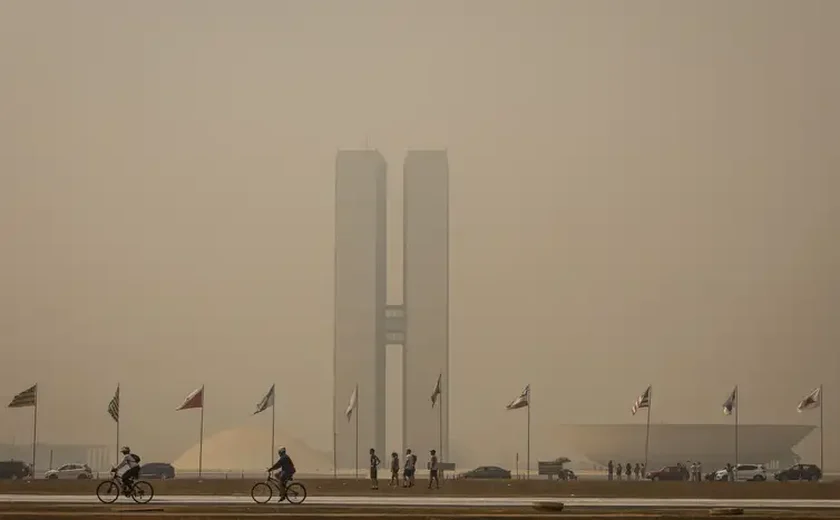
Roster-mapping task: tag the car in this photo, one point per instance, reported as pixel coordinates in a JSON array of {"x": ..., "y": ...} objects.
[
  {"x": 810, "y": 472},
  {"x": 669, "y": 473},
  {"x": 157, "y": 470},
  {"x": 14, "y": 469},
  {"x": 744, "y": 473},
  {"x": 567, "y": 474},
  {"x": 70, "y": 471},
  {"x": 488, "y": 472}
]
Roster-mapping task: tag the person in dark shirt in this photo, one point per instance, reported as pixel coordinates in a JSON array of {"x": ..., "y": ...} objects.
[
  {"x": 610, "y": 468},
  {"x": 628, "y": 470},
  {"x": 374, "y": 467},
  {"x": 433, "y": 470},
  {"x": 287, "y": 470},
  {"x": 395, "y": 469}
]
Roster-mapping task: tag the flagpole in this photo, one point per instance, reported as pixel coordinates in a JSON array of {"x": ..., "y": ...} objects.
[
  {"x": 34, "y": 432},
  {"x": 737, "y": 404},
  {"x": 273, "y": 419},
  {"x": 357, "y": 431},
  {"x": 201, "y": 435},
  {"x": 647, "y": 428},
  {"x": 118, "y": 427},
  {"x": 528, "y": 450},
  {"x": 440, "y": 416},
  {"x": 821, "y": 429}
]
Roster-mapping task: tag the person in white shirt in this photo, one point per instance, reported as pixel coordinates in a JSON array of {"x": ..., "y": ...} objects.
[{"x": 131, "y": 463}]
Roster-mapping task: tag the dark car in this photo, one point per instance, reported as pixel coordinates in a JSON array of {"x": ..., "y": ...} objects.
[
  {"x": 799, "y": 472},
  {"x": 669, "y": 473},
  {"x": 14, "y": 469},
  {"x": 487, "y": 472},
  {"x": 567, "y": 474},
  {"x": 157, "y": 470}
]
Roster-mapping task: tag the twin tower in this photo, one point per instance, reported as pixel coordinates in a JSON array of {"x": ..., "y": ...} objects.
[{"x": 365, "y": 323}]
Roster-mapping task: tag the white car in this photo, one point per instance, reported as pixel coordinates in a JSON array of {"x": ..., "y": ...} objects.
[
  {"x": 744, "y": 473},
  {"x": 67, "y": 471}
]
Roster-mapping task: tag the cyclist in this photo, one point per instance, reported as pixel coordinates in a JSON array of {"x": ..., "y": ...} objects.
[
  {"x": 287, "y": 470},
  {"x": 132, "y": 464}
]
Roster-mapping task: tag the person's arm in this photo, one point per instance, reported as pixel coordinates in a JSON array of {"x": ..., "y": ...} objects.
[{"x": 276, "y": 465}]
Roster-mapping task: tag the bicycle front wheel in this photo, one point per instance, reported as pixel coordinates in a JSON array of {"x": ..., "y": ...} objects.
[
  {"x": 108, "y": 492},
  {"x": 142, "y": 492},
  {"x": 295, "y": 493},
  {"x": 261, "y": 492}
]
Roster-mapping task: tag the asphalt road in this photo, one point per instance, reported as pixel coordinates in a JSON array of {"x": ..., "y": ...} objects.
[{"x": 443, "y": 501}]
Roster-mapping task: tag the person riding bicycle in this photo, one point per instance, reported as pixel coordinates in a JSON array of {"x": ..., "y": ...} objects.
[
  {"x": 132, "y": 464},
  {"x": 286, "y": 467}
]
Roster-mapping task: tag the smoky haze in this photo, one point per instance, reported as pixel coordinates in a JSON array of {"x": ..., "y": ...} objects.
[{"x": 641, "y": 193}]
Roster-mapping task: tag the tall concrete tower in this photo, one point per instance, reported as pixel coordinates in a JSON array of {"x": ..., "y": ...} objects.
[
  {"x": 360, "y": 293},
  {"x": 365, "y": 324},
  {"x": 426, "y": 299}
]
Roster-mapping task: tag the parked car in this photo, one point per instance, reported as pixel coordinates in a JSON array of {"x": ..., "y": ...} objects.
[
  {"x": 157, "y": 470},
  {"x": 489, "y": 472},
  {"x": 14, "y": 469},
  {"x": 744, "y": 473},
  {"x": 669, "y": 473},
  {"x": 70, "y": 471},
  {"x": 799, "y": 472}
]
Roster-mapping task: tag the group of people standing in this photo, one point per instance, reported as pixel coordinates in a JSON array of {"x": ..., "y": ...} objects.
[
  {"x": 628, "y": 470},
  {"x": 408, "y": 470}
]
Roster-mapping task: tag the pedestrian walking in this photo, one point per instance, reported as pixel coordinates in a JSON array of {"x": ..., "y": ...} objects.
[{"x": 433, "y": 470}]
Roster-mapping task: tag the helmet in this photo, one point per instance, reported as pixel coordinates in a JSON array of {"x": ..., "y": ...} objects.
[
  {"x": 281, "y": 451},
  {"x": 125, "y": 450},
  {"x": 432, "y": 452}
]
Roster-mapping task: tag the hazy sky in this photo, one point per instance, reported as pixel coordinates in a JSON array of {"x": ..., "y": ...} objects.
[{"x": 642, "y": 192}]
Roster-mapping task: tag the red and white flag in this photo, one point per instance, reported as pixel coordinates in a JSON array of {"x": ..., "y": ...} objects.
[{"x": 194, "y": 400}]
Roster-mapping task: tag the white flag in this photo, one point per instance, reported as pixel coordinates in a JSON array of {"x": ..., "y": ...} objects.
[
  {"x": 812, "y": 400},
  {"x": 436, "y": 392},
  {"x": 354, "y": 402},
  {"x": 522, "y": 401},
  {"x": 731, "y": 403},
  {"x": 266, "y": 402}
]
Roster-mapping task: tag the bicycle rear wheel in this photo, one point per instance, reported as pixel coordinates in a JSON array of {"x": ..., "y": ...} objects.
[
  {"x": 261, "y": 492},
  {"x": 295, "y": 493},
  {"x": 142, "y": 492},
  {"x": 108, "y": 492}
]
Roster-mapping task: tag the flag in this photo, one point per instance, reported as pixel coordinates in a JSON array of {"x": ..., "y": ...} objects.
[
  {"x": 730, "y": 403},
  {"x": 354, "y": 402},
  {"x": 114, "y": 406},
  {"x": 266, "y": 402},
  {"x": 812, "y": 400},
  {"x": 28, "y": 397},
  {"x": 642, "y": 402},
  {"x": 194, "y": 400},
  {"x": 522, "y": 401},
  {"x": 436, "y": 392}
]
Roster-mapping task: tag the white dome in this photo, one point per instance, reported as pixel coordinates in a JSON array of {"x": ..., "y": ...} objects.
[{"x": 248, "y": 448}]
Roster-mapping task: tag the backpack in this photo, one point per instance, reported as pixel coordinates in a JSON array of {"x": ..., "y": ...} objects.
[{"x": 136, "y": 458}]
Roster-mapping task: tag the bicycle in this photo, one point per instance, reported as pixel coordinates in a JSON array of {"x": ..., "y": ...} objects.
[
  {"x": 110, "y": 490},
  {"x": 294, "y": 492}
]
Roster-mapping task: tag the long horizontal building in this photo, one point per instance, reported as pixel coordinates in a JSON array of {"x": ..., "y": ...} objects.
[{"x": 711, "y": 444}]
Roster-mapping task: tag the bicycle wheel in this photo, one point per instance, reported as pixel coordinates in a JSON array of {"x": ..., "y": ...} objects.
[
  {"x": 261, "y": 492},
  {"x": 142, "y": 492},
  {"x": 108, "y": 492},
  {"x": 295, "y": 493}
]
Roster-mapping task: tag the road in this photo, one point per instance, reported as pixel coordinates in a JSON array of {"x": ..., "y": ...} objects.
[{"x": 433, "y": 501}]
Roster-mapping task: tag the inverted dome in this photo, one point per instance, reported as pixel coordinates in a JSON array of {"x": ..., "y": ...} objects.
[{"x": 248, "y": 448}]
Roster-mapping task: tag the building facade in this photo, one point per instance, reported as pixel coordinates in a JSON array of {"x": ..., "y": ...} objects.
[
  {"x": 365, "y": 324},
  {"x": 360, "y": 292}
]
